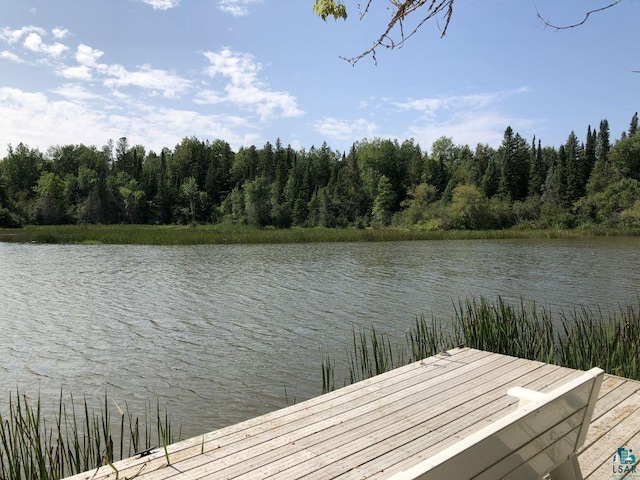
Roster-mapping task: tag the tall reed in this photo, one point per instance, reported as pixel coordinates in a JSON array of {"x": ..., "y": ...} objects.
[
  {"x": 33, "y": 447},
  {"x": 612, "y": 343},
  {"x": 580, "y": 339},
  {"x": 517, "y": 330},
  {"x": 369, "y": 360},
  {"x": 328, "y": 375},
  {"x": 425, "y": 339}
]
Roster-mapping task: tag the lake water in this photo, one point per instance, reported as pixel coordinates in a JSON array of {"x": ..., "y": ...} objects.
[{"x": 217, "y": 333}]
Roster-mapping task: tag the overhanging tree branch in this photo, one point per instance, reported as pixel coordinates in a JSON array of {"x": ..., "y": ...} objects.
[
  {"x": 397, "y": 31},
  {"x": 584, "y": 20},
  {"x": 401, "y": 10}
]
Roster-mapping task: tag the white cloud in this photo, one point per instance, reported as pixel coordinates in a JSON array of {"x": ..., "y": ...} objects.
[
  {"x": 157, "y": 81},
  {"x": 75, "y": 92},
  {"x": 432, "y": 105},
  {"x": 241, "y": 68},
  {"x": 446, "y": 102},
  {"x": 31, "y": 39},
  {"x": 162, "y": 4},
  {"x": 55, "y": 49},
  {"x": 11, "y": 56},
  {"x": 468, "y": 118},
  {"x": 34, "y": 42},
  {"x": 39, "y": 121},
  {"x": 85, "y": 55},
  {"x": 237, "y": 8},
  {"x": 209, "y": 97},
  {"x": 464, "y": 129},
  {"x": 60, "y": 33},
  {"x": 13, "y": 36},
  {"x": 265, "y": 102},
  {"x": 422, "y": 104},
  {"x": 169, "y": 84},
  {"x": 345, "y": 129},
  {"x": 171, "y": 125},
  {"x": 81, "y": 72},
  {"x": 245, "y": 89},
  {"x": 113, "y": 101},
  {"x": 469, "y": 128},
  {"x": 117, "y": 94},
  {"x": 34, "y": 119}
]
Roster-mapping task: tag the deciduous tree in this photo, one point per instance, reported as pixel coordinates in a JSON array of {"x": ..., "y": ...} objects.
[
  {"x": 469, "y": 208},
  {"x": 257, "y": 200},
  {"x": 51, "y": 200},
  {"x": 384, "y": 202},
  {"x": 625, "y": 156}
]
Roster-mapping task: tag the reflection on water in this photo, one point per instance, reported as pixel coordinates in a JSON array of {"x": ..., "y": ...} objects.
[{"x": 217, "y": 332}]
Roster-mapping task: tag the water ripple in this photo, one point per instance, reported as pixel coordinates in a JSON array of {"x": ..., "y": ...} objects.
[{"x": 218, "y": 332}]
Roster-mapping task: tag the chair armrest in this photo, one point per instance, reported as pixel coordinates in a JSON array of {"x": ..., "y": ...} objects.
[{"x": 525, "y": 395}]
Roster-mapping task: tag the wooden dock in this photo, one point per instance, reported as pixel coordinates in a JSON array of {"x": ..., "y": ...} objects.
[{"x": 388, "y": 423}]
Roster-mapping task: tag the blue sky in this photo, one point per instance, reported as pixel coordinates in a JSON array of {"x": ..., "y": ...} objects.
[{"x": 251, "y": 71}]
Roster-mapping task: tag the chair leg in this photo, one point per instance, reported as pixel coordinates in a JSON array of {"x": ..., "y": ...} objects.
[{"x": 567, "y": 470}]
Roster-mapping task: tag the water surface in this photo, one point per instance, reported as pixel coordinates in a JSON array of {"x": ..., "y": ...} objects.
[{"x": 218, "y": 332}]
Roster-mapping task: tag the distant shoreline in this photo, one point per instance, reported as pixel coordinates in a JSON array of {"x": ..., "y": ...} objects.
[{"x": 242, "y": 234}]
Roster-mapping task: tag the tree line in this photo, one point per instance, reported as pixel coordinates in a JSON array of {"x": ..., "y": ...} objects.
[{"x": 377, "y": 183}]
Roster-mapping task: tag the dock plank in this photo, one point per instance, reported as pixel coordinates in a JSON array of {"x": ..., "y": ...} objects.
[
  {"x": 385, "y": 424},
  {"x": 616, "y": 427},
  {"x": 349, "y": 409},
  {"x": 359, "y": 410},
  {"x": 544, "y": 378}
]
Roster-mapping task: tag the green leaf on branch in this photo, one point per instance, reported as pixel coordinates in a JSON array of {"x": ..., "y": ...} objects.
[{"x": 325, "y": 8}]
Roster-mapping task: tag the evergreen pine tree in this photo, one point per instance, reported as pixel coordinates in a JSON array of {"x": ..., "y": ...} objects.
[
  {"x": 435, "y": 173},
  {"x": 589, "y": 155},
  {"x": 536, "y": 168},
  {"x": 266, "y": 162},
  {"x": 603, "y": 172},
  {"x": 282, "y": 161},
  {"x": 555, "y": 186},
  {"x": 491, "y": 179},
  {"x": 633, "y": 127},
  {"x": 480, "y": 162},
  {"x": 163, "y": 197},
  {"x": 574, "y": 170},
  {"x": 603, "y": 144},
  {"x": 561, "y": 176},
  {"x": 514, "y": 154}
]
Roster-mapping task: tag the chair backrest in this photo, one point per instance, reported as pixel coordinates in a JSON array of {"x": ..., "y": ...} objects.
[{"x": 541, "y": 437}]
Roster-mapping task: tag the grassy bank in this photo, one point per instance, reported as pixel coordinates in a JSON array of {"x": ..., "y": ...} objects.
[
  {"x": 233, "y": 234},
  {"x": 579, "y": 339}
]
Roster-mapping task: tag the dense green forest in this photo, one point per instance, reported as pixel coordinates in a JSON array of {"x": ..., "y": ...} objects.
[{"x": 584, "y": 182}]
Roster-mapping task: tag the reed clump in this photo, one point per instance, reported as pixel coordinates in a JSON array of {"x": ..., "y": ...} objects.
[
  {"x": 611, "y": 342},
  {"x": 36, "y": 447},
  {"x": 519, "y": 330},
  {"x": 580, "y": 339}
]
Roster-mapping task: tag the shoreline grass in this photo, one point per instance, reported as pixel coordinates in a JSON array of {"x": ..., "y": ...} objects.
[
  {"x": 243, "y": 234},
  {"x": 580, "y": 339},
  {"x": 34, "y": 447}
]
